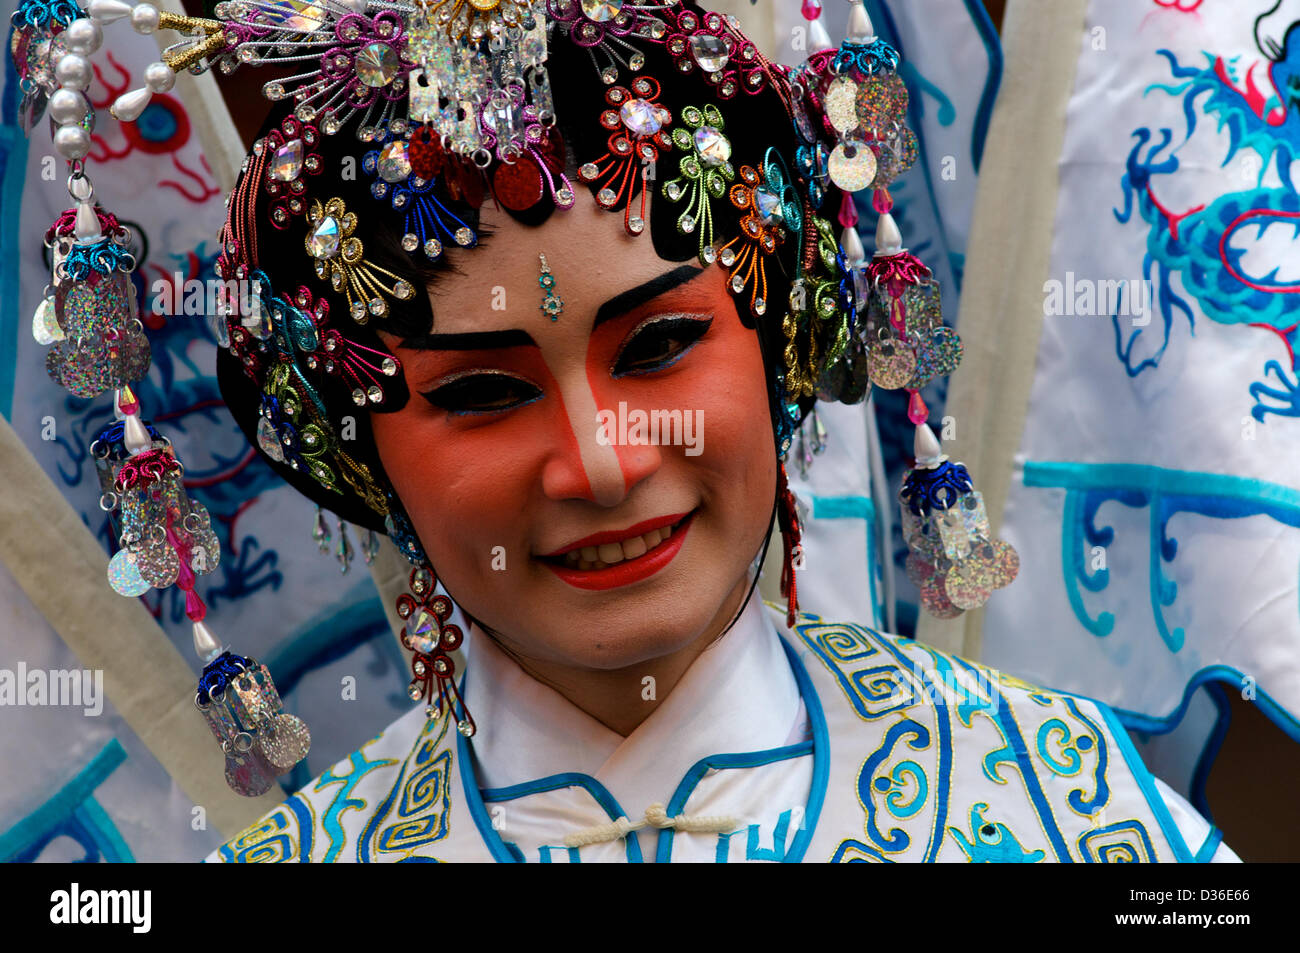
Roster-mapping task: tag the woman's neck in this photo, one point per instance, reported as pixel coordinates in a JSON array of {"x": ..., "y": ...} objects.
[{"x": 620, "y": 699}]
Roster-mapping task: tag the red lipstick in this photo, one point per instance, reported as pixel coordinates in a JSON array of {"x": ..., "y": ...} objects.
[
  {"x": 618, "y": 535},
  {"x": 629, "y": 570}
]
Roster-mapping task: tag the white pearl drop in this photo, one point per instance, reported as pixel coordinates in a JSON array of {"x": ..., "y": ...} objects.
[
  {"x": 852, "y": 244},
  {"x": 926, "y": 447},
  {"x": 144, "y": 18},
  {"x": 818, "y": 38},
  {"x": 129, "y": 105},
  {"x": 82, "y": 36},
  {"x": 158, "y": 77},
  {"x": 135, "y": 436},
  {"x": 87, "y": 223},
  {"x": 889, "y": 240},
  {"x": 860, "y": 28},
  {"x": 107, "y": 11},
  {"x": 206, "y": 645},
  {"x": 73, "y": 72},
  {"x": 68, "y": 106},
  {"x": 72, "y": 142}
]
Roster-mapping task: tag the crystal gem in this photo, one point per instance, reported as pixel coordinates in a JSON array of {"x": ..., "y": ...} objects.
[
  {"x": 420, "y": 631},
  {"x": 602, "y": 11},
  {"x": 297, "y": 15},
  {"x": 287, "y": 164},
  {"x": 464, "y": 236},
  {"x": 769, "y": 207},
  {"x": 712, "y": 145},
  {"x": 640, "y": 117},
  {"x": 377, "y": 64},
  {"x": 709, "y": 51},
  {"x": 393, "y": 165},
  {"x": 433, "y": 248},
  {"x": 268, "y": 440},
  {"x": 257, "y": 318},
  {"x": 324, "y": 242}
]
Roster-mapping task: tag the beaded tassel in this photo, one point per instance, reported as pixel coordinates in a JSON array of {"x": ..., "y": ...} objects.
[{"x": 954, "y": 560}]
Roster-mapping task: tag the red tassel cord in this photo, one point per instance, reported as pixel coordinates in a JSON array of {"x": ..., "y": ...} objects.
[{"x": 787, "y": 517}]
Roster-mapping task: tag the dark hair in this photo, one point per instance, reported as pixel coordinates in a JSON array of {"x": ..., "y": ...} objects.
[{"x": 753, "y": 123}]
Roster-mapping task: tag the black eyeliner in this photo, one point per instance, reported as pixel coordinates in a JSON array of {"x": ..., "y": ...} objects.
[{"x": 669, "y": 320}]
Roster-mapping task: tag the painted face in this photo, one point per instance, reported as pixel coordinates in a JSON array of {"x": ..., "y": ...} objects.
[{"x": 592, "y": 488}]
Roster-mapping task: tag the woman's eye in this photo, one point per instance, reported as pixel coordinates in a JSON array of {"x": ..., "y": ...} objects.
[
  {"x": 482, "y": 394},
  {"x": 659, "y": 344}
]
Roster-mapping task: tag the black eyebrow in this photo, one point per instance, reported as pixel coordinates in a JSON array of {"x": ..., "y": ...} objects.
[
  {"x": 516, "y": 337},
  {"x": 622, "y": 303}
]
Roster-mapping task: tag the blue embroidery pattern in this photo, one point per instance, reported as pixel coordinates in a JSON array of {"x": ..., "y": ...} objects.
[
  {"x": 905, "y": 784},
  {"x": 419, "y": 805},
  {"x": 992, "y": 843},
  {"x": 965, "y": 764}
]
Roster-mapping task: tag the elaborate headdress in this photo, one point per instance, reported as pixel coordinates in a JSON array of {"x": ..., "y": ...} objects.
[{"x": 444, "y": 104}]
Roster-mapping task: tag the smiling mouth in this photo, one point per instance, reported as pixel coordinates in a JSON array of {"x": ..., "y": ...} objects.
[
  {"x": 591, "y": 558},
  {"x": 599, "y": 562}
]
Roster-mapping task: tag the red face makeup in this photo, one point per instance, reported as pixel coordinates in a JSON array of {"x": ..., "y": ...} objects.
[{"x": 594, "y": 488}]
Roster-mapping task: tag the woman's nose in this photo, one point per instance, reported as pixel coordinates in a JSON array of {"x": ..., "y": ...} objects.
[{"x": 591, "y": 463}]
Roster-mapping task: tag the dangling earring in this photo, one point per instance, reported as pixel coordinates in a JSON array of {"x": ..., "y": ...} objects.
[
  {"x": 432, "y": 638},
  {"x": 427, "y": 632},
  {"x": 787, "y": 516}
]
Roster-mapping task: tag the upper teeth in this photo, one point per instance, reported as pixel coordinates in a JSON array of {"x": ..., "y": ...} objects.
[{"x": 607, "y": 554}]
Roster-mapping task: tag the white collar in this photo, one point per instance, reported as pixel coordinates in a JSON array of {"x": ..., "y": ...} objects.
[{"x": 739, "y": 695}]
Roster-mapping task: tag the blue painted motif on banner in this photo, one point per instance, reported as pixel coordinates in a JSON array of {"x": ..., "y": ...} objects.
[
  {"x": 74, "y": 813},
  {"x": 1167, "y": 493},
  {"x": 1196, "y": 244}
]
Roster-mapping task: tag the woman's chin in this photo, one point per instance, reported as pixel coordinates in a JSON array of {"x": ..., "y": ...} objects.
[{"x": 621, "y": 626}]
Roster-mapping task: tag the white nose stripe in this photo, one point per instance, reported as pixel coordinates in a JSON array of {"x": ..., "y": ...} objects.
[{"x": 597, "y": 460}]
